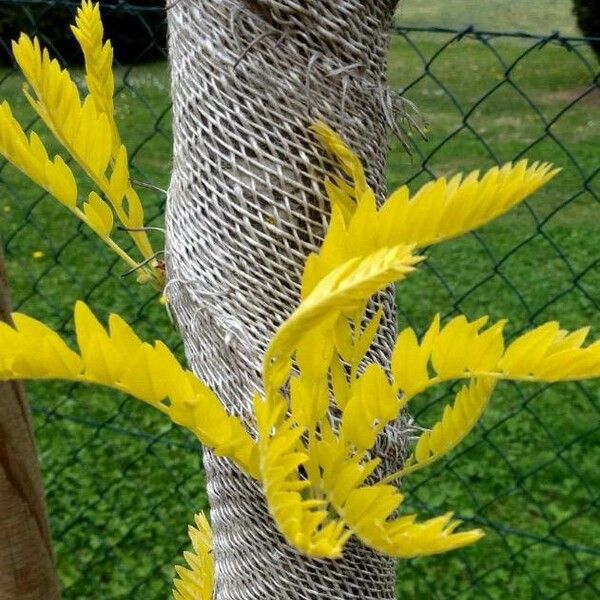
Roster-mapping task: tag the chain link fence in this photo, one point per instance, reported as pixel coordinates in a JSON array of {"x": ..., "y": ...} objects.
[{"x": 122, "y": 484}]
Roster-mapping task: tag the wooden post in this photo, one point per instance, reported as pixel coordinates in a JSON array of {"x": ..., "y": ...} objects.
[{"x": 27, "y": 570}]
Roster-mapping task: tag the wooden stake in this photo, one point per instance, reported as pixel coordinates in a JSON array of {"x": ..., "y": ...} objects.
[{"x": 27, "y": 570}]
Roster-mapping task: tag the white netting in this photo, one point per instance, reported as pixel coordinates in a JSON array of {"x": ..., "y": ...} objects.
[{"x": 246, "y": 206}]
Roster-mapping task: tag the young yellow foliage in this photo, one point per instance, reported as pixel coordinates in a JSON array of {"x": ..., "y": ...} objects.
[
  {"x": 457, "y": 422},
  {"x": 29, "y": 155},
  {"x": 369, "y": 511},
  {"x": 117, "y": 358},
  {"x": 318, "y": 515},
  {"x": 89, "y": 32},
  {"x": 79, "y": 126},
  {"x": 314, "y": 478},
  {"x": 315, "y": 462},
  {"x": 344, "y": 290},
  {"x": 440, "y": 210},
  {"x": 197, "y": 582},
  {"x": 463, "y": 349},
  {"x": 302, "y": 519},
  {"x": 87, "y": 130}
]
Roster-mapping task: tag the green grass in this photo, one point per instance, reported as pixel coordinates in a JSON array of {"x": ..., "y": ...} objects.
[
  {"x": 122, "y": 484},
  {"x": 535, "y": 16},
  {"x": 529, "y": 473}
]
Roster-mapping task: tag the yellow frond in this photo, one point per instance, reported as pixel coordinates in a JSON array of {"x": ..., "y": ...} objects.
[
  {"x": 89, "y": 32},
  {"x": 344, "y": 290},
  {"x": 463, "y": 349},
  {"x": 314, "y": 474},
  {"x": 79, "y": 126},
  {"x": 443, "y": 209},
  {"x": 197, "y": 582},
  {"x": 457, "y": 422},
  {"x": 118, "y": 359},
  {"x": 29, "y": 155},
  {"x": 300, "y": 517},
  {"x": 368, "y": 511},
  {"x": 86, "y": 132},
  {"x": 31, "y": 158},
  {"x": 440, "y": 210}
]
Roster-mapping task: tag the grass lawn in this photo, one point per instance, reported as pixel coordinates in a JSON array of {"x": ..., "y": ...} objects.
[
  {"x": 122, "y": 485},
  {"x": 535, "y": 16}
]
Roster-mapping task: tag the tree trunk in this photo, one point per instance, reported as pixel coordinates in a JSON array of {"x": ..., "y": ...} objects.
[
  {"x": 27, "y": 569},
  {"x": 246, "y": 206}
]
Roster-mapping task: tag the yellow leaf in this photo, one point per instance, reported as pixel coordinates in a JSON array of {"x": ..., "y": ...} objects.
[
  {"x": 314, "y": 353},
  {"x": 99, "y": 215},
  {"x": 123, "y": 362},
  {"x": 527, "y": 351},
  {"x": 309, "y": 399},
  {"x": 61, "y": 182},
  {"x": 339, "y": 383},
  {"x": 344, "y": 289},
  {"x": 450, "y": 351},
  {"x": 59, "y": 359},
  {"x": 457, "y": 422},
  {"x": 119, "y": 179},
  {"x": 367, "y": 336},
  {"x": 409, "y": 364},
  {"x": 38, "y": 352},
  {"x": 335, "y": 251},
  {"x": 197, "y": 581},
  {"x": 486, "y": 349},
  {"x": 372, "y": 405},
  {"x": 570, "y": 365}
]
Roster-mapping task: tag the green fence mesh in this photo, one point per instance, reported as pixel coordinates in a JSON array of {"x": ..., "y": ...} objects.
[{"x": 122, "y": 484}]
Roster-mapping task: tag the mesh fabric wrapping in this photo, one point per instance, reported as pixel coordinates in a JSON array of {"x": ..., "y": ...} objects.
[{"x": 246, "y": 206}]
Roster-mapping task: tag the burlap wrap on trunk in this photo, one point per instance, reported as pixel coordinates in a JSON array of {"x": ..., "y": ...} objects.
[{"x": 246, "y": 206}]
